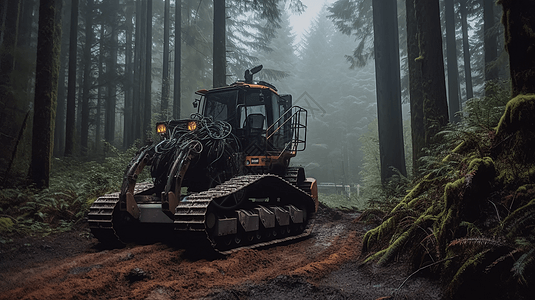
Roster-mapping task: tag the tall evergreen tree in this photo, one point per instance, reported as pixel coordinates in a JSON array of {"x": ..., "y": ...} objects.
[
  {"x": 165, "y": 73},
  {"x": 431, "y": 65},
  {"x": 279, "y": 58},
  {"x": 147, "y": 109},
  {"x": 111, "y": 70},
  {"x": 128, "y": 129},
  {"x": 84, "y": 134},
  {"x": 59, "y": 132},
  {"x": 139, "y": 83},
  {"x": 355, "y": 18},
  {"x": 70, "y": 122},
  {"x": 519, "y": 23},
  {"x": 490, "y": 43},
  {"x": 341, "y": 102},
  {"x": 219, "y": 45},
  {"x": 100, "y": 94},
  {"x": 46, "y": 84},
  {"x": 466, "y": 49},
  {"x": 416, "y": 94},
  {"x": 387, "y": 73},
  {"x": 10, "y": 122},
  {"x": 453, "y": 72},
  {"x": 177, "y": 88}
]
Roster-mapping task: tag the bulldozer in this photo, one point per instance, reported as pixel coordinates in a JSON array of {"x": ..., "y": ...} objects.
[{"x": 223, "y": 175}]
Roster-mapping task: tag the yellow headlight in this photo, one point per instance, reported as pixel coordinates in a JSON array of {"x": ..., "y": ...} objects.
[
  {"x": 192, "y": 125},
  {"x": 161, "y": 128}
]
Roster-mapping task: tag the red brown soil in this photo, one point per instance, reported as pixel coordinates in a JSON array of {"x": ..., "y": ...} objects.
[{"x": 326, "y": 265}]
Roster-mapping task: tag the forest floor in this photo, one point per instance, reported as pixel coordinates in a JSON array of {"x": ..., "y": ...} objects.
[{"x": 326, "y": 265}]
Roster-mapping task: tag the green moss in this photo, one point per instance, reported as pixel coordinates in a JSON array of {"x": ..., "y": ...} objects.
[
  {"x": 417, "y": 190},
  {"x": 452, "y": 191},
  {"x": 6, "y": 225},
  {"x": 407, "y": 236},
  {"x": 394, "y": 248},
  {"x": 484, "y": 164},
  {"x": 375, "y": 256},
  {"x": 517, "y": 113},
  {"x": 375, "y": 234}
]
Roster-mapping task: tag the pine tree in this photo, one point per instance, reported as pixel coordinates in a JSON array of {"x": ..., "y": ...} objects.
[
  {"x": 71, "y": 90},
  {"x": 387, "y": 72},
  {"x": 46, "y": 85}
]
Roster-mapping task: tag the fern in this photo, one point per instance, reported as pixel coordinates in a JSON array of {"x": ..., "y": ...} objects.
[{"x": 475, "y": 243}]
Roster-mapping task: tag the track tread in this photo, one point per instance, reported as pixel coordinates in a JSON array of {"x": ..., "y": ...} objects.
[{"x": 186, "y": 220}]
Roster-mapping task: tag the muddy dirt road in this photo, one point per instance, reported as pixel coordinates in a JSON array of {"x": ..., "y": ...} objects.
[{"x": 324, "y": 266}]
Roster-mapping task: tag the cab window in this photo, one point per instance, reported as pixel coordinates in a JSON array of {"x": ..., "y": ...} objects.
[{"x": 221, "y": 106}]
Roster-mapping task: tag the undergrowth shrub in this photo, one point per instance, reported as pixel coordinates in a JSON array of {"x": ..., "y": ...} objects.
[
  {"x": 74, "y": 186},
  {"x": 464, "y": 219}
]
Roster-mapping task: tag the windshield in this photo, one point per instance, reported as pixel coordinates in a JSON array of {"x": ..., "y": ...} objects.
[{"x": 221, "y": 106}]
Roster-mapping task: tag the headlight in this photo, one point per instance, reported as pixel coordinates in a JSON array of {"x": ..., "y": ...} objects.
[
  {"x": 161, "y": 128},
  {"x": 192, "y": 125}
]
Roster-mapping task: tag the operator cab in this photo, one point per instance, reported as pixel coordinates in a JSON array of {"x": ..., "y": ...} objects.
[{"x": 255, "y": 111}]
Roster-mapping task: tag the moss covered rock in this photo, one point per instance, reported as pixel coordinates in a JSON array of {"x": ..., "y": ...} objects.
[{"x": 515, "y": 134}]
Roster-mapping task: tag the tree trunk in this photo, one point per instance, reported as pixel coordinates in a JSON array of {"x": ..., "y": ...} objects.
[
  {"x": 7, "y": 54},
  {"x": 59, "y": 132},
  {"x": 10, "y": 110},
  {"x": 46, "y": 85},
  {"x": 25, "y": 67},
  {"x": 129, "y": 86},
  {"x": 178, "y": 59},
  {"x": 219, "y": 54},
  {"x": 515, "y": 135},
  {"x": 84, "y": 133},
  {"x": 98, "y": 119},
  {"x": 147, "y": 114},
  {"x": 490, "y": 43},
  {"x": 466, "y": 51},
  {"x": 431, "y": 67},
  {"x": 111, "y": 100},
  {"x": 138, "y": 70},
  {"x": 3, "y": 4},
  {"x": 25, "y": 24},
  {"x": 415, "y": 91},
  {"x": 386, "y": 46},
  {"x": 451, "y": 50},
  {"x": 165, "y": 75},
  {"x": 70, "y": 122},
  {"x": 519, "y": 24}
]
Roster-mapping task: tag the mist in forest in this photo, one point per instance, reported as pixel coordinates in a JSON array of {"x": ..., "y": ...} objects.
[{"x": 119, "y": 74}]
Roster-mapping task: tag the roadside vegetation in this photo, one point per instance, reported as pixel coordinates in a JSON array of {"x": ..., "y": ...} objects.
[
  {"x": 74, "y": 185},
  {"x": 469, "y": 218}
]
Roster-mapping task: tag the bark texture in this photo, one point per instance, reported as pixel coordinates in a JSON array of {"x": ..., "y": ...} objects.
[
  {"x": 46, "y": 86},
  {"x": 388, "y": 88}
]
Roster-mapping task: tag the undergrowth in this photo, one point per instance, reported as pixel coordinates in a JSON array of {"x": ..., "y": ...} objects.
[
  {"x": 74, "y": 186},
  {"x": 470, "y": 218},
  {"x": 343, "y": 201}
]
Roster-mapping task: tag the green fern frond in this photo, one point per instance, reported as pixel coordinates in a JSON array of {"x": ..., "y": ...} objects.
[
  {"x": 519, "y": 219},
  {"x": 522, "y": 264},
  {"x": 477, "y": 242},
  {"x": 471, "y": 263}
]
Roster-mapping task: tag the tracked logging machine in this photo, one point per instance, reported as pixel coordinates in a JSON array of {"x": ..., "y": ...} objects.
[{"x": 222, "y": 174}]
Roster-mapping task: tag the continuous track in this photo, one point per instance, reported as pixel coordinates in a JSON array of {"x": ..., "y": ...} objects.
[{"x": 109, "y": 225}]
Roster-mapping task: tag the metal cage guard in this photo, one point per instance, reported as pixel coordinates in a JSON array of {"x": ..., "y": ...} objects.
[{"x": 297, "y": 116}]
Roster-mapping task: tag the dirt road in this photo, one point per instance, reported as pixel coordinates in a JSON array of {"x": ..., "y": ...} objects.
[{"x": 324, "y": 266}]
